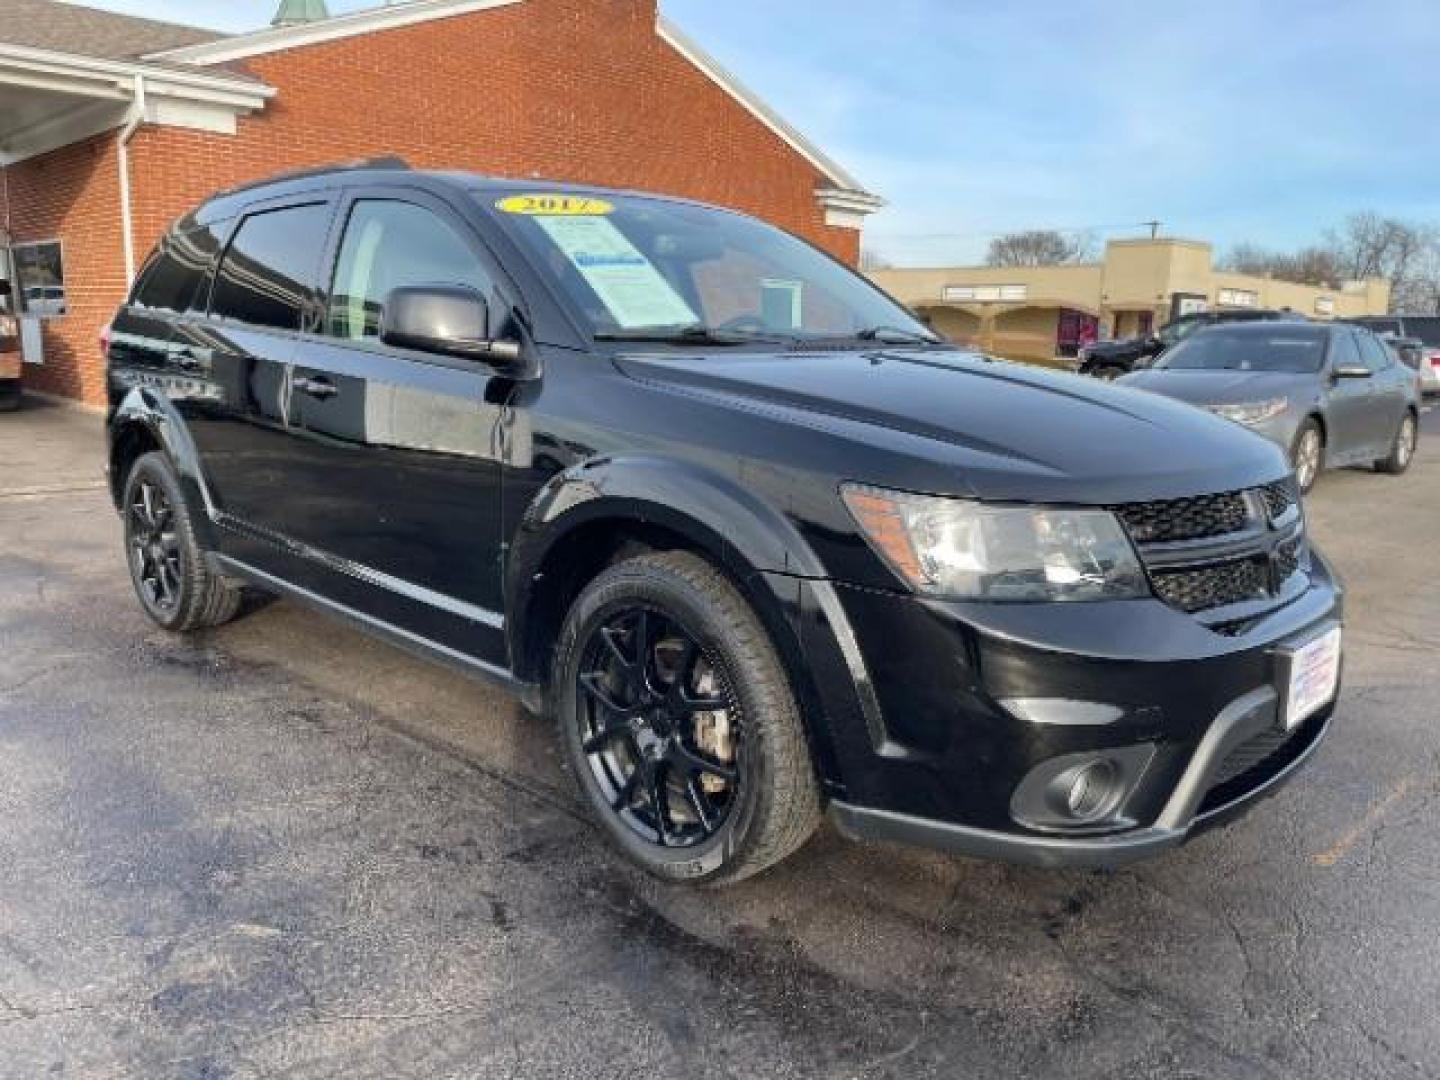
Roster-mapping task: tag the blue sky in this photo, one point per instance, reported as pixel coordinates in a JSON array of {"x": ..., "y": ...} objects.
[{"x": 1232, "y": 120}]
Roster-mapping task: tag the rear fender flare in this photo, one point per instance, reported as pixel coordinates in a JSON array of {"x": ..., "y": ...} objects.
[{"x": 163, "y": 423}]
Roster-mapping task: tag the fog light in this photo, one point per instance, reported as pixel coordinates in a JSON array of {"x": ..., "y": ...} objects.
[
  {"x": 1081, "y": 791},
  {"x": 1086, "y": 791}
]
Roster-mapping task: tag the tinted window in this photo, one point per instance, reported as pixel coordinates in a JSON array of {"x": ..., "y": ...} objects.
[
  {"x": 1380, "y": 326},
  {"x": 389, "y": 244},
  {"x": 1344, "y": 352},
  {"x": 1375, "y": 355},
  {"x": 1285, "y": 348},
  {"x": 173, "y": 280},
  {"x": 269, "y": 271},
  {"x": 1424, "y": 327}
]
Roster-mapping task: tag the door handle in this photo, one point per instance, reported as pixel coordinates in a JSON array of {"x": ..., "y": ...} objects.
[{"x": 318, "y": 387}]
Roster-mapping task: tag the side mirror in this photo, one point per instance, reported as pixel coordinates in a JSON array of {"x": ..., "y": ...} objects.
[
  {"x": 447, "y": 320},
  {"x": 1351, "y": 371}
]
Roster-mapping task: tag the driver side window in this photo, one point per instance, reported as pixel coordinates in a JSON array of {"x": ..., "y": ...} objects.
[
  {"x": 1344, "y": 352},
  {"x": 389, "y": 244},
  {"x": 1376, "y": 356}
]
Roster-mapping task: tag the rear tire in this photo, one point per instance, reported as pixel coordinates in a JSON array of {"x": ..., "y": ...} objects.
[
  {"x": 697, "y": 795},
  {"x": 168, "y": 566},
  {"x": 1109, "y": 372},
  {"x": 1307, "y": 455},
  {"x": 1402, "y": 451}
]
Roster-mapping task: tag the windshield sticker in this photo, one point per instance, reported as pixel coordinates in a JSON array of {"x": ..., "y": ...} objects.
[
  {"x": 553, "y": 205},
  {"x": 627, "y": 283}
]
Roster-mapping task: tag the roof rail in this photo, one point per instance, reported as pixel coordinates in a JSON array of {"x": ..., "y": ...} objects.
[{"x": 387, "y": 161}]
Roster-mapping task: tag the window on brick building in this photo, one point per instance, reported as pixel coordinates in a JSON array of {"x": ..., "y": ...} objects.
[
  {"x": 271, "y": 268},
  {"x": 40, "y": 271}
]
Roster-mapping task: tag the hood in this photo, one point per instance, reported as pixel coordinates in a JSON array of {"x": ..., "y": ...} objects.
[
  {"x": 1221, "y": 387},
  {"x": 954, "y": 423}
]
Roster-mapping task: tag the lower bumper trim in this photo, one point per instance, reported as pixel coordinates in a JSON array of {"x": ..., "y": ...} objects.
[{"x": 1096, "y": 852}]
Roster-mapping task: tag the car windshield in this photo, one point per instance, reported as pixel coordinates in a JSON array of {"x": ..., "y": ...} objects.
[
  {"x": 656, "y": 269},
  {"x": 1286, "y": 348},
  {"x": 1178, "y": 331}
]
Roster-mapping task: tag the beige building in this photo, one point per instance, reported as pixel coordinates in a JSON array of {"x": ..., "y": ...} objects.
[{"x": 1041, "y": 313}]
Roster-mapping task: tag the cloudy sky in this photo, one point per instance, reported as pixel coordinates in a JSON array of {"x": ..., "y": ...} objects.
[{"x": 1231, "y": 120}]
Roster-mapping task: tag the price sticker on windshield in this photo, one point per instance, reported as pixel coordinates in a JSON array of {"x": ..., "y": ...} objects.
[{"x": 551, "y": 204}]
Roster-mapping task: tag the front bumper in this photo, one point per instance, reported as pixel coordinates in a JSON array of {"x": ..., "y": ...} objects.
[{"x": 934, "y": 752}]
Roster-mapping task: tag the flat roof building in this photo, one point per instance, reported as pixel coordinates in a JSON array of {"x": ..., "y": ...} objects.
[{"x": 1041, "y": 313}]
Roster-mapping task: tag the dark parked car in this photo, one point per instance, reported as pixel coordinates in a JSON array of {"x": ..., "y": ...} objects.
[
  {"x": 1111, "y": 359},
  {"x": 761, "y": 544},
  {"x": 1424, "y": 329},
  {"x": 1328, "y": 395},
  {"x": 1417, "y": 339}
]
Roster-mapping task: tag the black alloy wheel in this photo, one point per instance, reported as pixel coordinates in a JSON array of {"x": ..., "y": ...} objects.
[
  {"x": 661, "y": 730},
  {"x": 168, "y": 566},
  {"x": 679, "y": 723},
  {"x": 157, "y": 560}
]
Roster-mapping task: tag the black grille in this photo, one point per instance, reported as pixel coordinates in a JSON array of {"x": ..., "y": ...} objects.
[
  {"x": 1258, "y": 760},
  {"x": 1287, "y": 560},
  {"x": 1279, "y": 498},
  {"x": 1247, "y": 575},
  {"x": 1184, "y": 519},
  {"x": 1213, "y": 586}
]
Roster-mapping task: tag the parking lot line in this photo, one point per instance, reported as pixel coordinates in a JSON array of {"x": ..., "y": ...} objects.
[{"x": 1353, "y": 835}]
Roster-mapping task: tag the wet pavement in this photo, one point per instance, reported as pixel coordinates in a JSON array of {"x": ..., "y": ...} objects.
[{"x": 283, "y": 849}]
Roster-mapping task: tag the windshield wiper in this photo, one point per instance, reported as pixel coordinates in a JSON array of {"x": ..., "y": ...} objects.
[
  {"x": 896, "y": 335},
  {"x": 689, "y": 335}
]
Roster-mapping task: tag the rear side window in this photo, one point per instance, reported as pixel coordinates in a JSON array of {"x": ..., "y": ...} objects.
[
  {"x": 174, "y": 280},
  {"x": 270, "y": 271},
  {"x": 1380, "y": 326}
]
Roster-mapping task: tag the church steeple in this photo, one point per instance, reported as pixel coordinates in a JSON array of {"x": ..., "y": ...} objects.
[{"x": 295, "y": 12}]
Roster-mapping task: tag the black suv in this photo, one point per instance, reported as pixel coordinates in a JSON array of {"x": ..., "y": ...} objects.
[
  {"x": 761, "y": 543},
  {"x": 1111, "y": 359}
]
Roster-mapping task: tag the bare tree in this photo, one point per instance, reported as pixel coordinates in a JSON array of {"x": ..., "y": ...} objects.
[
  {"x": 1371, "y": 245},
  {"x": 1308, "y": 266},
  {"x": 870, "y": 259},
  {"x": 1040, "y": 247}
]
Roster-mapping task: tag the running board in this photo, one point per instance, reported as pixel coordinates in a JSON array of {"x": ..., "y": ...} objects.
[{"x": 531, "y": 695}]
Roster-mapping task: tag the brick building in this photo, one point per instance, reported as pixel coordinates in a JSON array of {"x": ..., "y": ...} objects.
[{"x": 111, "y": 126}]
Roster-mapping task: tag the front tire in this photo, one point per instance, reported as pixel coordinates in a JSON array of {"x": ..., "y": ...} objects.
[
  {"x": 168, "y": 568},
  {"x": 1109, "y": 372},
  {"x": 1307, "y": 455},
  {"x": 1402, "y": 451},
  {"x": 678, "y": 720}
]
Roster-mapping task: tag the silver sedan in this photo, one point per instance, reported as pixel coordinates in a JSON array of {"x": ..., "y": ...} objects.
[{"x": 1329, "y": 395}]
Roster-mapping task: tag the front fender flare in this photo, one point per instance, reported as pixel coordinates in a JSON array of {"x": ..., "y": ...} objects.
[{"x": 746, "y": 532}]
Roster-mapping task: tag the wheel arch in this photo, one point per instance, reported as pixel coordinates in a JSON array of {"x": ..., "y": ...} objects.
[
  {"x": 584, "y": 522},
  {"x": 146, "y": 422}
]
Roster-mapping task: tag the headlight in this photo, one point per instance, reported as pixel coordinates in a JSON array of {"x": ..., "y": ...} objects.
[
  {"x": 971, "y": 550},
  {"x": 1251, "y": 413}
]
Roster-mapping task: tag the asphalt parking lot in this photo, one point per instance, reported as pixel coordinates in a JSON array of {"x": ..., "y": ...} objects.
[{"x": 283, "y": 849}]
